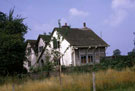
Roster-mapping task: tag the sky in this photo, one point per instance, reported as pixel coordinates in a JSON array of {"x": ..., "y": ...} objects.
[{"x": 112, "y": 20}]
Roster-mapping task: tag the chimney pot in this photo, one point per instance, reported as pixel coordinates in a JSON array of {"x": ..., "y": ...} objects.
[
  {"x": 84, "y": 25},
  {"x": 65, "y": 24}
]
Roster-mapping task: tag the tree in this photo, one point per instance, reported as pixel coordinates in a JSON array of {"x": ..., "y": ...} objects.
[
  {"x": 48, "y": 66},
  {"x": 132, "y": 53},
  {"x": 12, "y": 44},
  {"x": 116, "y": 52}
]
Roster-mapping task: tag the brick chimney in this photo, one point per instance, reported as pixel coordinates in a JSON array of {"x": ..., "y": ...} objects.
[
  {"x": 84, "y": 25},
  {"x": 66, "y": 26}
]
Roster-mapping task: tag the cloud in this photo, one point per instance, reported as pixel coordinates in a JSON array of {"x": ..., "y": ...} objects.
[
  {"x": 76, "y": 12},
  {"x": 120, "y": 10},
  {"x": 125, "y": 4},
  {"x": 74, "y": 16},
  {"x": 116, "y": 18}
]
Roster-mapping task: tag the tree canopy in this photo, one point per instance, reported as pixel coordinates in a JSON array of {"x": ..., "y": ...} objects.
[
  {"x": 12, "y": 43},
  {"x": 116, "y": 52}
]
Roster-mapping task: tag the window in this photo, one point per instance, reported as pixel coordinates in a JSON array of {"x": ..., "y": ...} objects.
[
  {"x": 83, "y": 59},
  {"x": 90, "y": 58},
  {"x": 86, "y": 59},
  {"x": 56, "y": 44},
  {"x": 29, "y": 51},
  {"x": 40, "y": 48}
]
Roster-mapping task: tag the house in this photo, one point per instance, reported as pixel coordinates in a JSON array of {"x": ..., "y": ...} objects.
[
  {"x": 41, "y": 42},
  {"x": 34, "y": 49},
  {"x": 78, "y": 46},
  {"x": 31, "y": 57}
]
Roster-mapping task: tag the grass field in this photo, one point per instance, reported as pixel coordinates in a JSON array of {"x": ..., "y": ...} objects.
[{"x": 110, "y": 80}]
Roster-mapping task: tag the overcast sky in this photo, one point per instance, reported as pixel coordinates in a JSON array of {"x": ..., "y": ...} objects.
[{"x": 114, "y": 20}]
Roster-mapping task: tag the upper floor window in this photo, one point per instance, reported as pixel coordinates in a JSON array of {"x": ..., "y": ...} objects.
[
  {"x": 29, "y": 51},
  {"x": 56, "y": 43},
  {"x": 40, "y": 48}
]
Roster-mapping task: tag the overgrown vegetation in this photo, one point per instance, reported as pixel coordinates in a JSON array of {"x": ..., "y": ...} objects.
[
  {"x": 118, "y": 62},
  {"x": 105, "y": 81},
  {"x": 114, "y": 62}
]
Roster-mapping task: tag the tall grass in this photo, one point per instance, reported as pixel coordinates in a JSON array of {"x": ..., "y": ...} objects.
[{"x": 105, "y": 81}]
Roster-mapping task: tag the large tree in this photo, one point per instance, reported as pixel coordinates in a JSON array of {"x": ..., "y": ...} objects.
[{"x": 12, "y": 43}]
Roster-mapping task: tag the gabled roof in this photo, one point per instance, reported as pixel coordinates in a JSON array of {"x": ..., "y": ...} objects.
[
  {"x": 32, "y": 43},
  {"x": 81, "y": 37},
  {"x": 46, "y": 38}
]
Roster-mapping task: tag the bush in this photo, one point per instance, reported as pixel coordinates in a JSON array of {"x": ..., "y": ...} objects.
[
  {"x": 48, "y": 67},
  {"x": 118, "y": 62},
  {"x": 115, "y": 62},
  {"x": 35, "y": 70}
]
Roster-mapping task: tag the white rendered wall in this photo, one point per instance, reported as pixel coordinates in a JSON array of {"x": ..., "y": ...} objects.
[
  {"x": 64, "y": 44},
  {"x": 40, "y": 43},
  {"x": 31, "y": 57}
]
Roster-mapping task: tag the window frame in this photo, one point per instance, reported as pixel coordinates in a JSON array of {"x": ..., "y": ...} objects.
[
  {"x": 56, "y": 43},
  {"x": 83, "y": 61},
  {"x": 87, "y": 58},
  {"x": 91, "y": 58}
]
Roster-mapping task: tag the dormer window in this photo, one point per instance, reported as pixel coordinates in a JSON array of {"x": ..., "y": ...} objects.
[{"x": 40, "y": 48}]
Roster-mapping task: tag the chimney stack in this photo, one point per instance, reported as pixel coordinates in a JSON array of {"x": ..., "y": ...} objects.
[
  {"x": 84, "y": 25},
  {"x": 65, "y": 24}
]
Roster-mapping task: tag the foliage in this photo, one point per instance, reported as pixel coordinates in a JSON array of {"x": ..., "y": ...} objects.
[
  {"x": 35, "y": 69},
  {"x": 110, "y": 80},
  {"x": 80, "y": 69},
  {"x": 12, "y": 45},
  {"x": 116, "y": 52},
  {"x": 18, "y": 79},
  {"x": 132, "y": 53},
  {"x": 114, "y": 62},
  {"x": 118, "y": 62},
  {"x": 48, "y": 67},
  {"x": 49, "y": 64},
  {"x": 55, "y": 43}
]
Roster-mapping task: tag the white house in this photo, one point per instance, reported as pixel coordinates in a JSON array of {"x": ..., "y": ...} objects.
[
  {"x": 34, "y": 49},
  {"x": 78, "y": 46}
]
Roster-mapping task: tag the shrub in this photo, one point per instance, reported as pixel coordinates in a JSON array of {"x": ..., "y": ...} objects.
[
  {"x": 118, "y": 62},
  {"x": 48, "y": 67}
]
